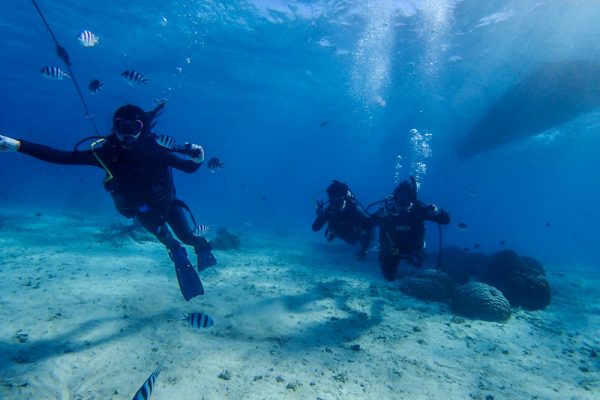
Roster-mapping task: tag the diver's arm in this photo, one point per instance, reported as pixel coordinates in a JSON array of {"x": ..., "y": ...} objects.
[
  {"x": 432, "y": 212},
  {"x": 188, "y": 163},
  {"x": 375, "y": 219},
  {"x": 361, "y": 218},
  {"x": 358, "y": 211},
  {"x": 182, "y": 164},
  {"x": 321, "y": 217},
  {"x": 51, "y": 155},
  {"x": 8, "y": 144},
  {"x": 319, "y": 222}
]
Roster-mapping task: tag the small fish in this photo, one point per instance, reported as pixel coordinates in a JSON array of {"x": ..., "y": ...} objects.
[
  {"x": 477, "y": 245},
  {"x": 95, "y": 86},
  {"x": 134, "y": 78},
  {"x": 165, "y": 141},
  {"x": 198, "y": 320},
  {"x": 145, "y": 391},
  {"x": 88, "y": 39},
  {"x": 161, "y": 100},
  {"x": 323, "y": 124},
  {"x": 502, "y": 242},
  {"x": 472, "y": 192},
  {"x": 462, "y": 226},
  {"x": 215, "y": 164},
  {"x": 466, "y": 249},
  {"x": 548, "y": 224},
  {"x": 201, "y": 230},
  {"x": 54, "y": 73}
]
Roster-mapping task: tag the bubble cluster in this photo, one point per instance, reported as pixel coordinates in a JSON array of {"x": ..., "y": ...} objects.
[
  {"x": 370, "y": 76},
  {"x": 420, "y": 151},
  {"x": 437, "y": 18},
  {"x": 398, "y": 169}
]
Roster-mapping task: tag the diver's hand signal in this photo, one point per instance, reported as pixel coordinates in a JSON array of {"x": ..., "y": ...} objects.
[
  {"x": 166, "y": 141},
  {"x": 320, "y": 207},
  {"x": 9, "y": 144}
]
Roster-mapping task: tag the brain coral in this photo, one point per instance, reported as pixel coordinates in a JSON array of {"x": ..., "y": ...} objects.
[{"x": 481, "y": 301}]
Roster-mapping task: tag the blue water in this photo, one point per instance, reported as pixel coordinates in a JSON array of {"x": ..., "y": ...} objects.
[{"x": 398, "y": 83}]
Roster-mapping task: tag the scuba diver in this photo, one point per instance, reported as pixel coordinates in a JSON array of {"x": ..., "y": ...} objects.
[
  {"x": 138, "y": 166},
  {"x": 401, "y": 221},
  {"x": 345, "y": 217}
]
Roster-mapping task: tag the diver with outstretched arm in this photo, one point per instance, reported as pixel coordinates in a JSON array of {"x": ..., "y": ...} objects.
[
  {"x": 139, "y": 177},
  {"x": 401, "y": 219}
]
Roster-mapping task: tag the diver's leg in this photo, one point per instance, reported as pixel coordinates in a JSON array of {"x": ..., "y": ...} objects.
[
  {"x": 184, "y": 229},
  {"x": 189, "y": 282},
  {"x": 155, "y": 224},
  {"x": 388, "y": 257},
  {"x": 389, "y": 265},
  {"x": 366, "y": 235}
]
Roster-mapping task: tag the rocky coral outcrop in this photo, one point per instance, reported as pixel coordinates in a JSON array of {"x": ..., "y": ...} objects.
[
  {"x": 461, "y": 264},
  {"x": 225, "y": 240},
  {"x": 480, "y": 301},
  {"x": 521, "y": 279}
]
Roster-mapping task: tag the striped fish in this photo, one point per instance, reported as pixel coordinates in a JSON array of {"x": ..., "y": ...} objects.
[
  {"x": 202, "y": 230},
  {"x": 199, "y": 320},
  {"x": 214, "y": 164},
  {"x": 134, "y": 78},
  {"x": 54, "y": 73},
  {"x": 88, "y": 39},
  {"x": 95, "y": 86},
  {"x": 145, "y": 391}
]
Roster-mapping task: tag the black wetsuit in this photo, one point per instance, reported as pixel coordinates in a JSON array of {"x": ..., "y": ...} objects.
[
  {"x": 141, "y": 184},
  {"x": 402, "y": 233},
  {"x": 351, "y": 225}
]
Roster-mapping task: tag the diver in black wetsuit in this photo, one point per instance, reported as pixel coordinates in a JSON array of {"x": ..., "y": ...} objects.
[
  {"x": 345, "y": 216},
  {"x": 138, "y": 166},
  {"x": 401, "y": 222}
]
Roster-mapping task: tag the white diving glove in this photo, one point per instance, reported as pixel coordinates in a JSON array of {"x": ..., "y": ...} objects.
[
  {"x": 9, "y": 144},
  {"x": 198, "y": 152}
]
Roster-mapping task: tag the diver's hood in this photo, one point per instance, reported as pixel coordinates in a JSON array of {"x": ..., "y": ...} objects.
[
  {"x": 130, "y": 111},
  {"x": 338, "y": 189},
  {"x": 406, "y": 190}
]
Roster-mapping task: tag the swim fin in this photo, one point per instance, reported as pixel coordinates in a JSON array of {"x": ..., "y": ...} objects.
[
  {"x": 189, "y": 282},
  {"x": 205, "y": 260},
  {"x": 205, "y": 256}
]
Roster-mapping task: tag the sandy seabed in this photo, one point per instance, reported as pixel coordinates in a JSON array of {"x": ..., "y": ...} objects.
[{"x": 86, "y": 318}]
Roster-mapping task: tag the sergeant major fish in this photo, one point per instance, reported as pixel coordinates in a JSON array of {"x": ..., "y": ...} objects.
[
  {"x": 51, "y": 72},
  {"x": 198, "y": 320},
  {"x": 462, "y": 226},
  {"x": 88, "y": 39},
  {"x": 95, "y": 86},
  {"x": 145, "y": 391},
  {"x": 134, "y": 78},
  {"x": 214, "y": 164},
  {"x": 201, "y": 230}
]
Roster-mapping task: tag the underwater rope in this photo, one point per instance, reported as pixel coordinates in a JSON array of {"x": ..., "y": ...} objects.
[
  {"x": 62, "y": 53},
  {"x": 109, "y": 176},
  {"x": 439, "y": 266}
]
